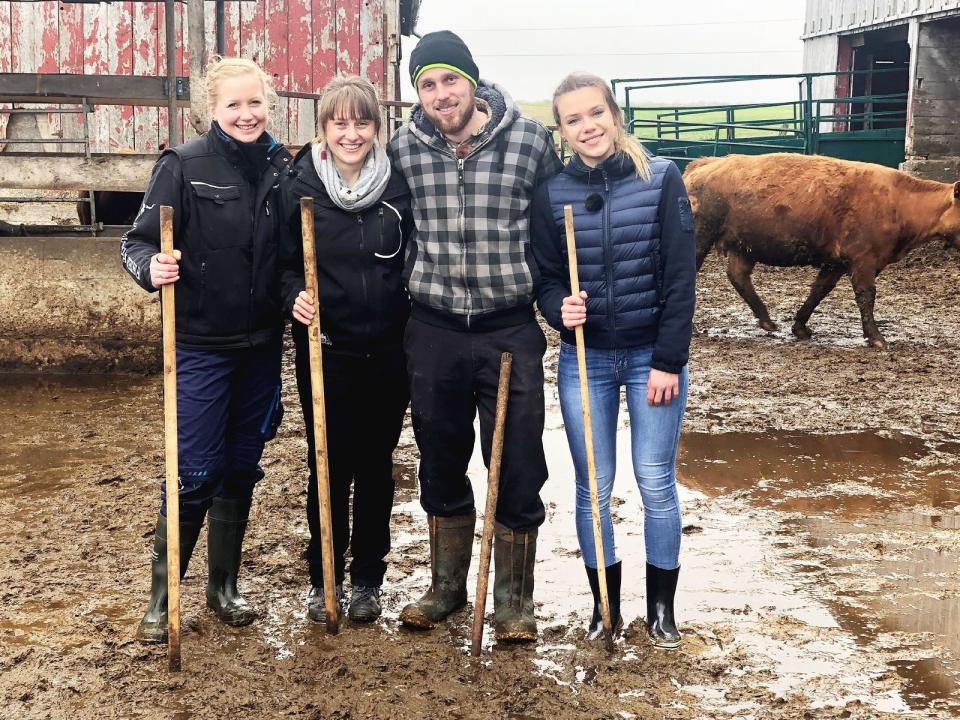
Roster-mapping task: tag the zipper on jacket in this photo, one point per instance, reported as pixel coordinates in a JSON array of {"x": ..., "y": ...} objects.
[
  {"x": 608, "y": 257},
  {"x": 461, "y": 226},
  {"x": 363, "y": 272},
  {"x": 203, "y": 283}
]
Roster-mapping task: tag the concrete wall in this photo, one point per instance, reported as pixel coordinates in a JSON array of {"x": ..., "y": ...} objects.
[
  {"x": 67, "y": 306},
  {"x": 933, "y": 135}
]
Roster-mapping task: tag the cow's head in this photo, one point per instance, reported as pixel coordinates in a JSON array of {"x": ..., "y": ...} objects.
[{"x": 949, "y": 224}]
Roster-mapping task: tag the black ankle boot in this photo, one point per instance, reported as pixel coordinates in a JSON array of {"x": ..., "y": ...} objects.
[
  {"x": 661, "y": 589},
  {"x": 153, "y": 626},
  {"x": 227, "y": 524},
  {"x": 595, "y": 630}
]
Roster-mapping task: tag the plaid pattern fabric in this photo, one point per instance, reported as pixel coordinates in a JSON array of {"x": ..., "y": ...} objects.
[{"x": 470, "y": 251}]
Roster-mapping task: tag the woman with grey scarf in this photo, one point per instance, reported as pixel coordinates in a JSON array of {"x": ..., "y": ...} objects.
[{"x": 361, "y": 223}]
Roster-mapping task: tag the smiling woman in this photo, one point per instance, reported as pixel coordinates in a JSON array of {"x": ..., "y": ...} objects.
[{"x": 228, "y": 325}]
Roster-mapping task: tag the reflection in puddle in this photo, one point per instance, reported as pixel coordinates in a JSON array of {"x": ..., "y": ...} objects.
[{"x": 853, "y": 494}]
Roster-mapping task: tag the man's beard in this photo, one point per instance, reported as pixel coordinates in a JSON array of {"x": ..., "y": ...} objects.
[{"x": 455, "y": 124}]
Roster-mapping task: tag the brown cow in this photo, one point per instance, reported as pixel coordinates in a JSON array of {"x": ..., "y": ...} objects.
[{"x": 844, "y": 217}]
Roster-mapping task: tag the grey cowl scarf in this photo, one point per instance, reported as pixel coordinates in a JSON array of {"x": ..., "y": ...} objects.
[{"x": 374, "y": 176}]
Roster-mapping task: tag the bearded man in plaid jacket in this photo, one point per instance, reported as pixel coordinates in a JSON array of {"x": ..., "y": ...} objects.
[{"x": 472, "y": 164}]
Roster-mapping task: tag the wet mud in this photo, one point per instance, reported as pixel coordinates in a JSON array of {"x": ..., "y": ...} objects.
[{"x": 820, "y": 490}]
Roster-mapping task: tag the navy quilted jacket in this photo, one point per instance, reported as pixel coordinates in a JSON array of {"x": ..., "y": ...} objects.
[{"x": 635, "y": 255}]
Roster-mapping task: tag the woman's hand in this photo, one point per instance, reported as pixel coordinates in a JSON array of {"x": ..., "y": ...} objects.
[
  {"x": 662, "y": 387},
  {"x": 164, "y": 269},
  {"x": 573, "y": 311},
  {"x": 303, "y": 308}
]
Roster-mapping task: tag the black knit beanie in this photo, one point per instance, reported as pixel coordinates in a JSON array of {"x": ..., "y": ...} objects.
[{"x": 442, "y": 49}]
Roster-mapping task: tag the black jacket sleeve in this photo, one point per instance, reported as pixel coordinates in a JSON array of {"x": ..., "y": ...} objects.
[
  {"x": 679, "y": 275},
  {"x": 547, "y": 240},
  {"x": 292, "y": 280},
  {"x": 142, "y": 241}
]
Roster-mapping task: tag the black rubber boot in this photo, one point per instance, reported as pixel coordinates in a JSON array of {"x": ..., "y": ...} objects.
[
  {"x": 595, "y": 630},
  {"x": 514, "y": 555},
  {"x": 153, "y": 626},
  {"x": 227, "y": 524},
  {"x": 451, "y": 547},
  {"x": 661, "y": 589}
]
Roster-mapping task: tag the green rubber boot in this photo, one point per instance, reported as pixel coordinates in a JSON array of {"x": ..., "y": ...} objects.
[
  {"x": 514, "y": 555},
  {"x": 227, "y": 524},
  {"x": 451, "y": 546},
  {"x": 153, "y": 626}
]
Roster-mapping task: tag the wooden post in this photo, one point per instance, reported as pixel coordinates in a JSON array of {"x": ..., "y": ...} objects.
[
  {"x": 319, "y": 418},
  {"x": 170, "y": 38},
  {"x": 588, "y": 433},
  {"x": 170, "y": 448},
  {"x": 195, "y": 25},
  {"x": 490, "y": 511}
]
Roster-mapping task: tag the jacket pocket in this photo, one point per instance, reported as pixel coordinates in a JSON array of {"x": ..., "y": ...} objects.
[
  {"x": 221, "y": 215},
  {"x": 220, "y": 194}
]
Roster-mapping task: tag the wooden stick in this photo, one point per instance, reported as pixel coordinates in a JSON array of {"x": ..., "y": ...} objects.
[
  {"x": 493, "y": 489},
  {"x": 588, "y": 433},
  {"x": 319, "y": 418},
  {"x": 168, "y": 313}
]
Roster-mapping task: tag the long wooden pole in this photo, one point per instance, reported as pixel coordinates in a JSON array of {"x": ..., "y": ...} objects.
[
  {"x": 588, "y": 433},
  {"x": 319, "y": 418},
  {"x": 490, "y": 512},
  {"x": 170, "y": 448}
]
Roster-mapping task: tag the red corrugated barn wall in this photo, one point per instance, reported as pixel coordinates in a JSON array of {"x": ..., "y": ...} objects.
[{"x": 301, "y": 43}]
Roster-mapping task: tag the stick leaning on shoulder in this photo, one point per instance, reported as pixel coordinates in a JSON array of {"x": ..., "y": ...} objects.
[
  {"x": 588, "y": 433},
  {"x": 319, "y": 418}
]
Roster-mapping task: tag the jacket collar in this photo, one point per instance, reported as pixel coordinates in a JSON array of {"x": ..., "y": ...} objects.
[{"x": 615, "y": 167}]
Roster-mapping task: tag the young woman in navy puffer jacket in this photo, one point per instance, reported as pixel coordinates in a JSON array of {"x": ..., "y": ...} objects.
[{"x": 635, "y": 254}]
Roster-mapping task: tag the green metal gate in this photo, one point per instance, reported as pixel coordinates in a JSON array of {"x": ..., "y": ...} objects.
[{"x": 870, "y": 128}]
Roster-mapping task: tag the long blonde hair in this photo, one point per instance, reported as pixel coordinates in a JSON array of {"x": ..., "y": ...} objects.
[
  {"x": 221, "y": 68},
  {"x": 623, "y": 141},
  {"x": 348, "y": 97}
]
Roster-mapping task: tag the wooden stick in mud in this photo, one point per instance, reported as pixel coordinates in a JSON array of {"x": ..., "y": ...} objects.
[
  {"x": 319, "y": 418},
  {"x": 588, "y": 434},
  {"x": 170, "y": 448},
  {"x": 493, "y": 489}
]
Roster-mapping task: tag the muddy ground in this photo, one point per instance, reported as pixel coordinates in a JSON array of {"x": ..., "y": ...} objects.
[{"x": 821, "y": 505}]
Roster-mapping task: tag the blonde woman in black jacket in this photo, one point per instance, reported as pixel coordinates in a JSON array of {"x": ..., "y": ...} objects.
[
  {"x": 361, "y": 222},
  {"x": 224, "y": 189}
]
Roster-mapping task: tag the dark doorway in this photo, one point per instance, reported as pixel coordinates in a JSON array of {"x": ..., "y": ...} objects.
[{"x": 883, "y": 90}]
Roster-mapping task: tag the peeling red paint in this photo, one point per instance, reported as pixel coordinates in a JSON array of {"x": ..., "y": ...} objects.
[{"x": 302, "y": 44}]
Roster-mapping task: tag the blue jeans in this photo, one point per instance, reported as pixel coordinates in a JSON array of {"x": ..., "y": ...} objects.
[{"x": 654, "y": 433}]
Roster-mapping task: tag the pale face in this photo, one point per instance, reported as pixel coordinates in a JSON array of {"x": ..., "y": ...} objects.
[
  {"x": 587, "y": 124},
  {"x": 241, "y": 108},
  {"x": 349, "y": 141},
  {"x": 447, "y": 99}
]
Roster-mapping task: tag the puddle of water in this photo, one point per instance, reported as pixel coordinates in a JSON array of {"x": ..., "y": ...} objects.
[
  {"x": 51, "y": 425},
  {"x": 847, "y": 491},
  {"x": 797, "y": 472}
]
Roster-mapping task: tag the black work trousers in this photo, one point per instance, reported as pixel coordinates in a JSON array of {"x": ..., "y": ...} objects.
[
  {"x": 365, "y": 397},
  {"x": 453, "y": 375}
]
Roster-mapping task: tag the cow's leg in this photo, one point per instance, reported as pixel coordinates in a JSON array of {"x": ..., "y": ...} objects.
[
  {"x": 738, "y": 271},
  {"x": 864, "y": 283},
  {"x": 825, "y": 282}
]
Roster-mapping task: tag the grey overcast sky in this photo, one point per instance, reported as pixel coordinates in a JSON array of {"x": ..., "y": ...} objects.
[{"x": 529, "y": 45}]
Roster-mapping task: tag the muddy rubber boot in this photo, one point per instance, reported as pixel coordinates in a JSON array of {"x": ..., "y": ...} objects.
[
  {"x": 153, "y": 626},
  {"x": 227, "y": 523},
  {"x": 595, "y": 630},
  {"x": 661, "y": 589},
  {"x": 451, "y": 546},
  {"x": 514, "y": 554}
]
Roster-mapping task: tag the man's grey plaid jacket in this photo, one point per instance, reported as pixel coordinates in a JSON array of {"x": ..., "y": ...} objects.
[{"x": 469, "y": 259}]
